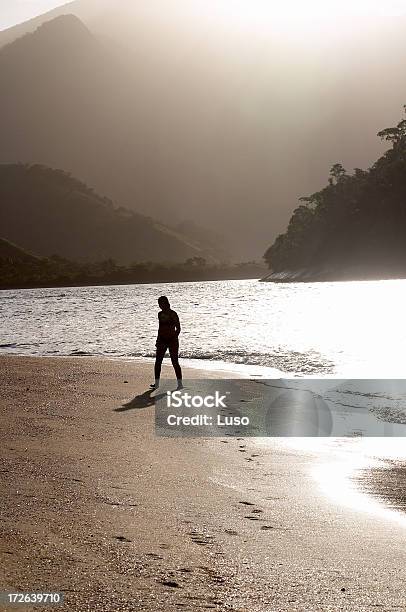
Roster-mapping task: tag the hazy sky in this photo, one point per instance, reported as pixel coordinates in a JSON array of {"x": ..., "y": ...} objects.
[{"x": 17, "y": 11}]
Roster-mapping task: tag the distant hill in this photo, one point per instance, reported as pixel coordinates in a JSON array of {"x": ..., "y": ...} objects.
[
  {"x": 49, "y": 212},
  {"x": 12, "y": 253},
  {"x": 213, "y": 241},
  {"x": 355, "y": 227}
]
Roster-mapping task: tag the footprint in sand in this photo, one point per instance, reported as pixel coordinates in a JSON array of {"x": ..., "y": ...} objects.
[
  {"x": 122, "y": 539},
  {"x": 170, "y": 583},
  {"x": 269, "y": 527},
  {"x": 201, "y": 539}
]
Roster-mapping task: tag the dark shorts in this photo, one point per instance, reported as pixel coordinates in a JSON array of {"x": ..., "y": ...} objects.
[{"x": 164, "y": 344}]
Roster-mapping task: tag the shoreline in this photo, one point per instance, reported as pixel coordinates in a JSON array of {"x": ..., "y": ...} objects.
[
  {"x": 243, "y": 370},
  {"x": 150, "y": 281},
  {"x": 97, "y": 506},
  {"x": 331, "y": 275}
]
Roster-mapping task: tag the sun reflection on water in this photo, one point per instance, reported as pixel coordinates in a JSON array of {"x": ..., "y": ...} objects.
[{"x": 339, "y": 460}]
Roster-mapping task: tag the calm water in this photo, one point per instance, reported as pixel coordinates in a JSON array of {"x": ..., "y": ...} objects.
[{"x": 353, "y": 329}]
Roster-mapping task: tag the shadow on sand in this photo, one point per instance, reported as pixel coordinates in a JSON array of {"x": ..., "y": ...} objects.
[{"x": 144, "y": 400}]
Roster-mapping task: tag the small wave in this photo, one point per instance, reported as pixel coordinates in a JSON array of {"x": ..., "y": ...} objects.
[
  {"x": 19, "y": 344},
  {"x": 390, "y": 414},
  {"x": 298, "y": 363},
  {"x": 81, "y": 354}
]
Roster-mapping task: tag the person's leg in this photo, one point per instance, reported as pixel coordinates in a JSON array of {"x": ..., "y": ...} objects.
[
  {"x": 160, "y": 354},
  {"x": 174, "y": 353}
]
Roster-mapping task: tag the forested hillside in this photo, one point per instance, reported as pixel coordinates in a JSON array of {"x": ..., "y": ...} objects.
[{"x": 358, "y": 219}]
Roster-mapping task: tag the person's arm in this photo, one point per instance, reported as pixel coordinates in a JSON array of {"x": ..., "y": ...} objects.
[
  {"x": 177, "y": 324},
  {"x": 157, "y": 337}
]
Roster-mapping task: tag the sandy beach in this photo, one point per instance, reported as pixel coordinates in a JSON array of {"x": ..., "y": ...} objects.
[{"x": 94, "y": 505}]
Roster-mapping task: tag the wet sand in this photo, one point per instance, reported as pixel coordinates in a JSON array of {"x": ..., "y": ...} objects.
[
  {"x": 95, "y": 506},
  {"x": 387, "y": 483}
]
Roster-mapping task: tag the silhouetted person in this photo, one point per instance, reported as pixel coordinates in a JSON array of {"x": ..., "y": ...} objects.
[{"x": 168, "y": 338}]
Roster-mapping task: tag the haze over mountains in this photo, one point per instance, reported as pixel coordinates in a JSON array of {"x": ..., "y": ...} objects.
[{"x": 183, "y": 118}]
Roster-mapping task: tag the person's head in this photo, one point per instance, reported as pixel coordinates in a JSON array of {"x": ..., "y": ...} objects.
[{"x": 164, "y": 303}]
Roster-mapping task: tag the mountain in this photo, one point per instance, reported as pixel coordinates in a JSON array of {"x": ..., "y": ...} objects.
[
  {"x": 200, "y": 117},
  {"x": 12, "y": 253},
  {"x": 213, "y": 241},
  {"x": 355, "y": 227},
  {"x": 49, "y": 212},
  {"x": 87, "y": 10}
]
